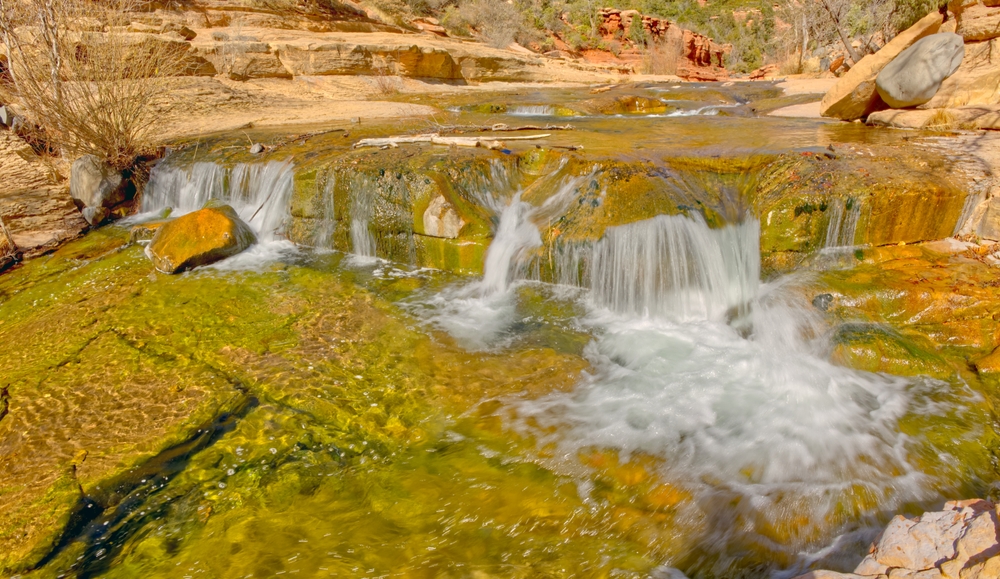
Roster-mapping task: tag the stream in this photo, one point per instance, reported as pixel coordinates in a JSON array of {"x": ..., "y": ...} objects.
[{"x": 615, "y": 368}]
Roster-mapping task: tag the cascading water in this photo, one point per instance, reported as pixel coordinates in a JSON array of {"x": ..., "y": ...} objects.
[
  {"x": 259, "y": 193},
  {"x": 531, "y": 111},
  {"x": 754, "y": 425},
  {"x": 843, "y": 225},
  {"x": 676, "y": 266}
]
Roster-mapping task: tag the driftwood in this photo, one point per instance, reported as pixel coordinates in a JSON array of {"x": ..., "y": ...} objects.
[
  {"x": 437, "y": 139},
  {"x": 501, "y": 127}
]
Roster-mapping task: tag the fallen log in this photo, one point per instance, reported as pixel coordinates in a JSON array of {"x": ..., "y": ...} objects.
[{"x": 436, "y": 139}]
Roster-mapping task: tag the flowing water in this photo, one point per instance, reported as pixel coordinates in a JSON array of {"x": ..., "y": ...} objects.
[{"x": 636, "y": 402}]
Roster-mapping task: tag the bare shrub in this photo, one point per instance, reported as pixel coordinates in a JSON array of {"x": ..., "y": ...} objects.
[
  {"x": 384, "y": 78},
  {"x": 658, "y": 60},
  {"x": 76, "y": 72},
  {"x": 499, "y": 22}
]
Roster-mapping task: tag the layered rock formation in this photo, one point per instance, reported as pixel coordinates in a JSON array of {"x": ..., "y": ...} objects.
[
  {"x": 959, "y": 541},
  {"x": 689, "y": 55}
]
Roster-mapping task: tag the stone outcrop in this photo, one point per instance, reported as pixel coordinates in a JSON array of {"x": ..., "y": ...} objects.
[
  {"x": 915, "y": 76},
  {"x": 977, "y": 80},
  {"x": 958, "y": 542},
  {"x": 96, "y": 188},
  {"x": 199, "y": 238},
  {"x": 9, "y": 254},
  {"x": 689, "y": 55},
  {"x": 854, "y": 96},
  {"x": 37, "y": 211},
  {"x": 976, "y": 21}
]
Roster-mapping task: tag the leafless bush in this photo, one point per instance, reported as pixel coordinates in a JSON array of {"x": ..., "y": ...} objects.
[
  {"x": 657, "y": 60},
  {"x": 78, "y": 74},
  {"x": 499, "y": 22},
  {"x": 384, "y": 78}
]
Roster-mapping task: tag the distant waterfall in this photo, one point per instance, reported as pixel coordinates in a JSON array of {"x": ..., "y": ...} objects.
[
  {"x": 259, "y": 193},
  {"x": 843, "y": 224},
  {"x": 531, "y": 111},
  {"x": 676, "y": 266}
]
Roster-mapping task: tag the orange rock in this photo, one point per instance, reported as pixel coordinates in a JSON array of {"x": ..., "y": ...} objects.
[{"x": 199, "y": 238}]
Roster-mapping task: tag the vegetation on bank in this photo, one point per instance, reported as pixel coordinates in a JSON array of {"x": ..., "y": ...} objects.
[
  {"x": 760, "y": 31},
  {"x": 82, "y": 82}
]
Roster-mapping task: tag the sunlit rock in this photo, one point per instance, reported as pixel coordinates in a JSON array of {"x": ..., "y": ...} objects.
[
  {"x": 854, "y": 95},
  {"x": 915, "y": 76},
  {"x": 199, "y": 238},
  {"x": 96, "y": 188}
]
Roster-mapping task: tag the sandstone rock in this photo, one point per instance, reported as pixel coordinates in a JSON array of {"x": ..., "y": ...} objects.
[
  {"x": 441, "y": 219},
  {"x": 920, "y": 543},
  {"x": 989, "y": 364},
  {"x": 971, "y": 117},
  {"x": 9, "y": 253},
  {"x": 978, "y": 22},
  {"x": 199, "y": 238},
  {"x": 977, "y": 80},
  {"x": 958, "y": 542},
  {"x": 830, "y": 575},
  {"x": 915, "y": 76},
  {"x": 96, "y": 188},
  {"x": 854, "y": 96}
]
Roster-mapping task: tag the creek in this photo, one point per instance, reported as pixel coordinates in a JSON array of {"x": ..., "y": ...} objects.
[{"x": 528, "y": 363}]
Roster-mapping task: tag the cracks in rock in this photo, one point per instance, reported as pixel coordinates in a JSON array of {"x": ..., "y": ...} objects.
[{"x": 4, "y": 401}]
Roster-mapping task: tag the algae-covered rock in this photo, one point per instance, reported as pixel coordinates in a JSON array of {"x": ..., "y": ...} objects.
[{"x": 199, "y": 238}]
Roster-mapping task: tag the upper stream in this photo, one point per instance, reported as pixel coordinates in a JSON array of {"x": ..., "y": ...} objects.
[{"x": 522, "y": 363}]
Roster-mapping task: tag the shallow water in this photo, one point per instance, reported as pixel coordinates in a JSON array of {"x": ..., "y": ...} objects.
[{"x": 660, "y": 410}]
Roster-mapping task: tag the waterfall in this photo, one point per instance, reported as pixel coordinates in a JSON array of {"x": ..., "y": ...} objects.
[
  {"x": 515, "y": 235},
  {"x": 676, "y": 266},
  {"x": 843, "y": 224},
  {"x": 259, "y": 193},
  {"x": 362, "y": 206},
  {"x": 531, "y": 111}
]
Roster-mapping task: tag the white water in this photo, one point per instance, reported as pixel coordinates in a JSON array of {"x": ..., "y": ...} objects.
[
  {"x": 259, "y": 193},
  {"x": 675, "y": 266},
  {"x": 756, "y": 423},
  {"x": 709, "y": 110},
  {"x": 531, "y": 111}
]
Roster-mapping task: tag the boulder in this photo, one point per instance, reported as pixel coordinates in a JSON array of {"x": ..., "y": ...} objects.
[
  {"x": 854, "y": 96},
  {"x": 977, "y": 80},
  {"x": 96, "y": 188},
  {"x": 914, "y": 77},
  {"x": 441, "y": 219},
  {"x": 199, "y": 238}
]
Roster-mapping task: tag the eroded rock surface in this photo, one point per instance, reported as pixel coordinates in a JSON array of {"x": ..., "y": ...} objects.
[{"x": 959, "y": 541}]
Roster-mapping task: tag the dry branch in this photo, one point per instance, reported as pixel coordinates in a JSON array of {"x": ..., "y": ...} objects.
[{"x": 437, "y": 139}]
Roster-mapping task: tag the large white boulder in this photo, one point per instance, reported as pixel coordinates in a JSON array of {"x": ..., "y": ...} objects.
[{"x": 914, "y": 77}]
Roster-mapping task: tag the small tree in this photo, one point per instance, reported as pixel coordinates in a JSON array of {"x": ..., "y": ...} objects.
[{"x": 79, "y": 75}]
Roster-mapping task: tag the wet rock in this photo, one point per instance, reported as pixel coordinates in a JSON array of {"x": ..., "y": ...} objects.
[
  {"x": 96, "y": 188},
  {"x": 256, "y": 149},
  {"x": 822, "y": 301},
  {"x": 441, "y": 219},
  {"x": 989, "y": 364},
  {"x": 145, "y": 231},
  {"x": 854, "y": 96},
  {"x": 199, "y": 238},
  {"x": 958, "y": 542},
  {"x": 914, "y": 77}
]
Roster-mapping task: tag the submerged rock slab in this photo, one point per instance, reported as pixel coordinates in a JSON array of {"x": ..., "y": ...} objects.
[{"x": 199, "y": 238}]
